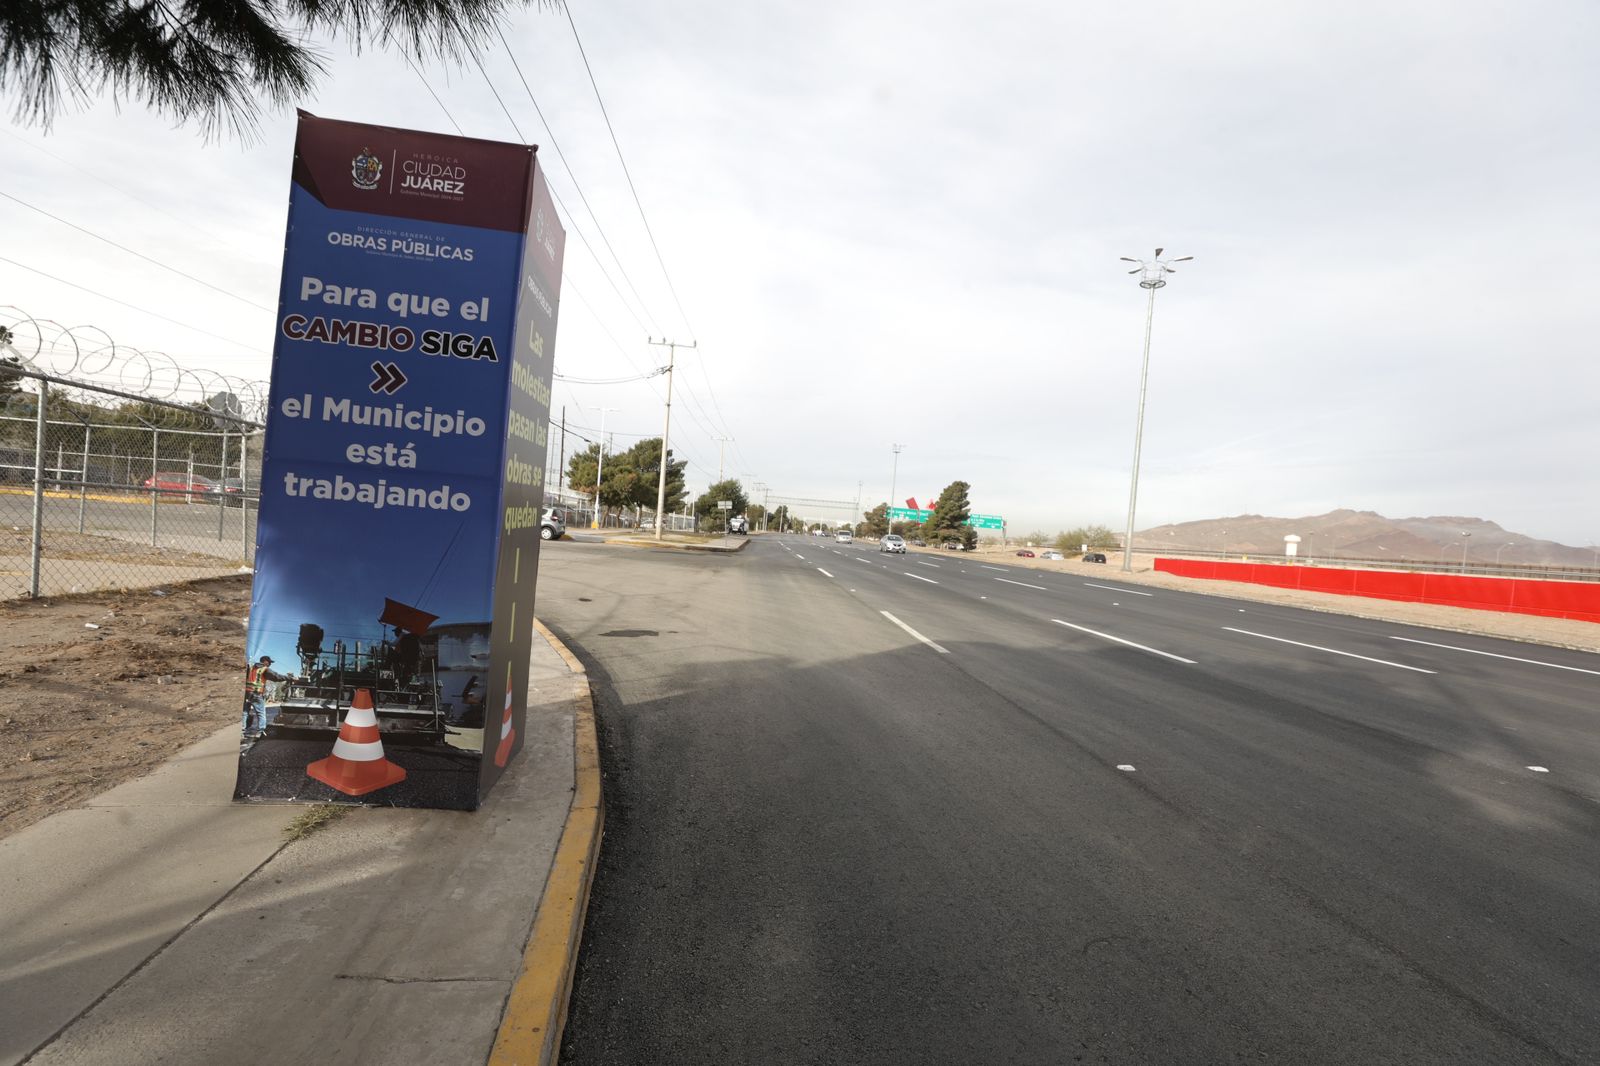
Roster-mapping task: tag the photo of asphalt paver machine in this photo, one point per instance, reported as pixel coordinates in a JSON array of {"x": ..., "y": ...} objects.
[{"x": 414, "y": 672}]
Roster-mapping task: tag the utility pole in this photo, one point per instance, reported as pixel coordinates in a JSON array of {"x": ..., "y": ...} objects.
[
  {"x": 561, "y": 470},
  {"x": 600, "y": 464},
  {"x": 858, "y": 516},
  {"x": 722, "y": 453},
  {"x": 666, "y": 426}
]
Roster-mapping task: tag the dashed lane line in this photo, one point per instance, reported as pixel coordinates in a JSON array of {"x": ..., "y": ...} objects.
[
  {"x": 1331, "y": 651},
  {"x": 1108, "y": 588},
  {"x": 1002, "y": 569},
  {"x": 921, "y": 563},
  {"x": 1024, "y": 584},
  {"x": 823, "y": 572},
  {"x": 929, "y": 580},
  {"x": 1496, "y": 655},
  {"x": 1129, "y": 643},
  {"x": 913, "y": 632}
]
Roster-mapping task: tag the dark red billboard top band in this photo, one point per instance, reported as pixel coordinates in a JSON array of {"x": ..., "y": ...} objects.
[{"x": 463, "y": 181}]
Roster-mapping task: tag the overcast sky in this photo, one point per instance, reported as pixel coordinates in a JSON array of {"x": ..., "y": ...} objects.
[{"x": 901, "y": 222}]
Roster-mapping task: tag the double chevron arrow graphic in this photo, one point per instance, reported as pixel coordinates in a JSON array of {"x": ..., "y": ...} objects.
[{"x": 389, "y": 378}]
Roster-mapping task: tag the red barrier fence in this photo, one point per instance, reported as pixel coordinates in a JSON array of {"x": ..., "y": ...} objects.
[{"x": 1552, "y": 599}]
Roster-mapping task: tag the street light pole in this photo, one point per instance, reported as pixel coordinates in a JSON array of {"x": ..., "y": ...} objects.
[
  {"x": 666, "y": 426},
  {"x": 600, "y": 464},
  {"x": 894, "y": 481},
  {"x": 1503, "y": 547},
  {"x": 1465, "y": 536},
  {"x": 1154, "y": 277}
]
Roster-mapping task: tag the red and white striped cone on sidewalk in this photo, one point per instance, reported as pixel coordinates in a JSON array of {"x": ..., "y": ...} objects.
[
  {"x": 507, "y": 734},
  {"x": 357, "y": 765}
]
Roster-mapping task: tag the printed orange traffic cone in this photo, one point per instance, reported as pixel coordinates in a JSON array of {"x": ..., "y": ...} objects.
[
  {"x": 357, "y": 765},
  {"x": 507, "y": 734}
]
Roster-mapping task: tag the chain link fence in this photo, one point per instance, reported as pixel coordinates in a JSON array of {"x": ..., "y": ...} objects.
[{"x": 106, "y": 486}]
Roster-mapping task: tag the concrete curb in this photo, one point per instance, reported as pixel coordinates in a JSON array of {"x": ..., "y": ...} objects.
[
  {"x": 671, "y": 546},
  {"x": 536, "y": 1010}
]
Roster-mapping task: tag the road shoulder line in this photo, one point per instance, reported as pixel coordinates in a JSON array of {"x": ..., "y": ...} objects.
[{"x": 536, "y": 1009}]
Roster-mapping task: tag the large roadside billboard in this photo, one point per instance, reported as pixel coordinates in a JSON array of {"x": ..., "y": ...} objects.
[{"x": 402, "y": 482}]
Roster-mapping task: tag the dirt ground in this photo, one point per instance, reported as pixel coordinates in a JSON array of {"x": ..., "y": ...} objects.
[{"x": 99, "y": 688}]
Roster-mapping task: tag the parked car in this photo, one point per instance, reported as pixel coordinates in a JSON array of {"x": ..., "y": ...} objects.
[
  {"x": 919, "y": 542},
  {"x": 552, "y": 526},
  {"x": 892, "y": 543},
  {"x": 1024, "y": 553},
  {"x": 1051, "y": 555},
  {"x": 738, "y": 525},
  {"x": 1095, "y": 557},
  {"x": 166, "y": 481},
  {"x": 953, "y": 545},
  {"x": 228, "y": 486}
]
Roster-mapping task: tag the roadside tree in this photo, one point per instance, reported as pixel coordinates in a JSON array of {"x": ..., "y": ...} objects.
[
  {"x": 213, "y": 62},
  {"x": 706, "y": 512},
  {"x": 949, "y": 519}
]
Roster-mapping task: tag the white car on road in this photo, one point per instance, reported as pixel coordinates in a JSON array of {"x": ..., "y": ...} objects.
[
  {"x": 892, "y": 543},
  {"x": 844, "y": 537}
]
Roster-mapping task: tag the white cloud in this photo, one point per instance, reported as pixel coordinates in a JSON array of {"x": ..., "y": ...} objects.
[{"x": 901, "y": 222}]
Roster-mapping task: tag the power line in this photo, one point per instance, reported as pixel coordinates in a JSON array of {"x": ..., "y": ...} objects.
[
  {"x": 418, "y": 72},
  {"x": 705, "y": 376},
  {"x": 188, "y": 224},
  {"x": 135, "y": 307},
  {"x": 577, "y": 186},
  {"x": 140, "y": 255},
  {"x": 571, "y": 222},
  {"x": 593, "y": 84},
  {"x": 610, "y": 381}
]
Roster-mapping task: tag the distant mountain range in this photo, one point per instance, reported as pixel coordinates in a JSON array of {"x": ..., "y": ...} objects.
[{"x": 1368, "y": 535}]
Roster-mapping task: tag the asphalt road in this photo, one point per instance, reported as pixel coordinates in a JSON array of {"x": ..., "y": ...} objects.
[
  {"x": 200, "y": 526},
  {"x": 917, "y": 809}
]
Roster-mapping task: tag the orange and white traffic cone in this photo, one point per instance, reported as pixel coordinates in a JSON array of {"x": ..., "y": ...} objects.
[
  {"x": 507, "y": 734},
  {"x": 357, "y": 765}
]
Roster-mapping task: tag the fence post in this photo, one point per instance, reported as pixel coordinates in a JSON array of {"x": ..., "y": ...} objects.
[
  {"x": 244, "y": 494},
  {"x": 34, "y": 549},
  {"x": 155, "y": 452},
  {"x": 83, "y": 477},
  {"x": 222, "y": 483}
]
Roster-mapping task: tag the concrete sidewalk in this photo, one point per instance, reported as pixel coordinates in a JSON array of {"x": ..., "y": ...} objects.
[{"x": 162, "y": 922}]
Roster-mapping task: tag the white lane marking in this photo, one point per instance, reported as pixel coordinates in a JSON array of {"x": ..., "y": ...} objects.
[
  {"x": 983, "y": 597},
  {"x": 1331, "y": 651},
  {"x": 797, "y": 555},
  {"x": 1129, "y": 643},
  {"x": 852, "y": 590},
  {"x": 921, "y": 563},
  {"x": 1540, "y": 769},
  {"x": 1496, "y": 655},
  {"x": 1024, "y": 584},
  {"x": 1002, "y": 569},
  {"x": 868, "y": 562},
  {"x": 1126, "y": 767},
  {"x": 929, "y": 580},
  {"x": 1108, "y": 588},
  {"x": 823, "y": 572},
  {"x": 913, "y": 632}
]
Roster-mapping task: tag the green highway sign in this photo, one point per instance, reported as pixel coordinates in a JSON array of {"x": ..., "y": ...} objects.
[
  {"x": 906, "y": 514},
  {"x": 986, "y": 521}
]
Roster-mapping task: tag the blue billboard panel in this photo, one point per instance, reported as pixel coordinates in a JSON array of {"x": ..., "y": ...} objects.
[{"x": 380, "y": 663}]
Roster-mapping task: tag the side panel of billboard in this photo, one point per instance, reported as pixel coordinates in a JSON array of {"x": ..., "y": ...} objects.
[{"x": 522, "y": 476}]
